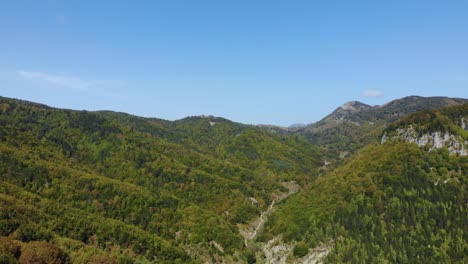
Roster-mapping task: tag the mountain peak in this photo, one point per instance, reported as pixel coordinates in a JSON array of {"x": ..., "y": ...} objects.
[{"x": 354, "y": 106}]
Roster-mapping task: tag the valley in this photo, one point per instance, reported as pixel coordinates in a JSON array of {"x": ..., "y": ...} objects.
[{"x": 372, "y": 184}]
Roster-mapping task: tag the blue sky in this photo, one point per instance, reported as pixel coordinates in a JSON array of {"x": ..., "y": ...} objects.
[{"x": 259, "y": 62}]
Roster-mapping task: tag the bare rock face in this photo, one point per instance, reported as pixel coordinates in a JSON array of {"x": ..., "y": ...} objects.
[
  {"x": 435, "y": 140},
  {"x": 464, "y": 124},
  {"x": 276, "y": 251}
]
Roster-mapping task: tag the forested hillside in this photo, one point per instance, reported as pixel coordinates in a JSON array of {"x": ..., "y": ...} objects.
[
  {"x": 105, "y": 185},
  {"x": 395, "y": 201}
]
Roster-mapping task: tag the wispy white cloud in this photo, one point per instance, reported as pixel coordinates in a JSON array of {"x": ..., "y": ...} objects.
[
  {"x": 72, "y": 83},
  {"x": 373, "y": 93}
]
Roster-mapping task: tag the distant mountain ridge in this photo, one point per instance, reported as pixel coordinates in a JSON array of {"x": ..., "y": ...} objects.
[
  {"x": 355, "y": 124},
  {"x": 359, "y": 112}
]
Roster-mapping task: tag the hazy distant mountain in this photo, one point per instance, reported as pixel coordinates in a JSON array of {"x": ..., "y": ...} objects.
[{"x": 295, "y": 126}]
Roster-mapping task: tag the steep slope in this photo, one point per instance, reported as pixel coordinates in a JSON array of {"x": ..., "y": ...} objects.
[
  {"x": 433, "y": 129},
  {"x": 111, "y": 185},
  {"x": 354, "y": 124},
  {"x": 392, "y": 202}
]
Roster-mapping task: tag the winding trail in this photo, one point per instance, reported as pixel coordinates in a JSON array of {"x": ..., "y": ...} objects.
[
  {"x": 262, "y": 220},
  {"x": 258, "y": 224}
]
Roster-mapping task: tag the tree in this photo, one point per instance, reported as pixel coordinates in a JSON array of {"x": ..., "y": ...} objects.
[{"x": 39, "y": 252}]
